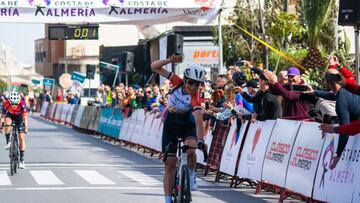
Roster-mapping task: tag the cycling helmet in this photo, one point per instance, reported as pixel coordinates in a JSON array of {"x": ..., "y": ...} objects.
[
  {"x": 14, "y": 97},
  {"x": 195, "y": 72},
  {"x": 239, "y": 78}
]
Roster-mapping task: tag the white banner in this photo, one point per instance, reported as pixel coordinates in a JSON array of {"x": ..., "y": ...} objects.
[
  {"x": 199, "y": 154},
  {"x": 78, "y": 116},
  {"x": 253, "y": 154},
  {"x": 137, "y": 134},
  {"x": 278, "y": 151},
  {"x": 58, "y": 112},
  {"x": 64, "y": 112},
  {"x": 148, "y": 140},
  {"x": 156, "y": 135},
  {"x": 123, "y": 135},
  {"x": 304, "y": 159},
  {"x": 44, "y": 108},
  {"x": 107, "y": 11},
  {"x": 338, "y": 185},
  {"x": 232, "y": 148},
  {"x": 52, "y": 111},
  {"x": 69, "y": 115}
]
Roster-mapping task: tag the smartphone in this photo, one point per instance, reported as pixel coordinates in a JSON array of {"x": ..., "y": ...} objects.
[
  {"x": 299, "y": 88},
  {"x": 207, "y": 105},
  {"x": 334, "y": 77}
]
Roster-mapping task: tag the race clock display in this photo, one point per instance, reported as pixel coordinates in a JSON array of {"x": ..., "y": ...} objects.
[{"x": 73, "y": 32}]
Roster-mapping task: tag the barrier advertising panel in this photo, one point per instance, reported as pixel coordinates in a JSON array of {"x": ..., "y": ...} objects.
[
  {"x": 58, "y": 112},
  {"x": 74, "y": 114},
  {"x": 123, "y": 135},
  {"x": 78, "y": 116},
  {"x": 43, "y": 108},
  {"x": 69, "y": 114},
  {"x": 304, "y": 159},
  {"x": 253, "y": 154},
  {"x": 154, "y": 138},
  {"x": 52, "y": 111},
  {"x": 199, "y": 154},
  {"x": 64, "y": 112},
  {"x": 278, "y": 151},
  {"x": 337, "y": 185},
  {"x": 232, "y": 148},
  {"x": 138, "y": 116},
  {"x": 158, "y": 135}
]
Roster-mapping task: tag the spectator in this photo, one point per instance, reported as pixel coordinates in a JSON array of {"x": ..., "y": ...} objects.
[
  {"x": 265, "y": 103},
  {"x": 107, "y": 98},
  {"x": 140, "y": 98},
  {"x": 48, "y": 96},
  {"x": 294, "y": 104},
  {"x": 345, "y": 130},
  {"x": 347, "y": 106},
  {"x": 100, "y": 94},
  {"x": 282, "y": 77},
  {"x": 150, "y": 99},
  {"x": 221, "y": 81}
]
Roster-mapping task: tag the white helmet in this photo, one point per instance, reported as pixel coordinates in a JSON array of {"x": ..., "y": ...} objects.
[
  {"x": 14, "y": 97},
  {"x": 195, "y": 72}
]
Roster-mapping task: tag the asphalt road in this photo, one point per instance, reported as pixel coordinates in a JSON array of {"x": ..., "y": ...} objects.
[{"x": 63, "y": 165}]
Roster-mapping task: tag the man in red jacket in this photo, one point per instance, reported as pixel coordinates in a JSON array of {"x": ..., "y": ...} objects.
[{"x": 350, "y": 129}]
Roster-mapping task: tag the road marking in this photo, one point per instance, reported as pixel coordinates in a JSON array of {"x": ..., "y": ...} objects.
[
  {"x": 141, "y": 178},
  {"x": 88, "y": 165},
  {"x": 4, "y": 178},
  {"x": 46, "y": 177},
  {"x": 158, "y": 189},
  {"x": 94, "y": 177}
]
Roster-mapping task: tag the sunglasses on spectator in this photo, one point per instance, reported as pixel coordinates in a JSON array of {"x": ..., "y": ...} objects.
[
  {"x": 148, "y": 92},
  {"x": 161, "y": 90},
  {"x": 193, "y": 82}
]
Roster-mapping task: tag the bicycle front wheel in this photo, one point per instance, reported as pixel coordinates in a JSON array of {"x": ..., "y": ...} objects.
[{"x": 185, "y": 193}]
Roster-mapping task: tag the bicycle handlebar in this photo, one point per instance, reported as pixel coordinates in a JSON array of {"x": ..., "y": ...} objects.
[{"x": 170, "y": 146}]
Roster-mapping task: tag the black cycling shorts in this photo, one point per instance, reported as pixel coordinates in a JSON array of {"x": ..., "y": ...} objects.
[
  {"x": 18, "y": 120},
  {"x": 176, "y": 126}
]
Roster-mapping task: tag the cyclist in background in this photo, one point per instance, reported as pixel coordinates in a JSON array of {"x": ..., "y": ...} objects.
[
  {"x": 14, "y": 110},
  {"x": 183, "y": 119}
]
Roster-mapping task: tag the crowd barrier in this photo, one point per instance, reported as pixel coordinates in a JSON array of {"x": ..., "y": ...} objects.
[{"x": 288, "y": 155}]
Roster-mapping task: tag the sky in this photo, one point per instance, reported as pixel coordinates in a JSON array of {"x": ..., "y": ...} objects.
[{"x": 21, "y": 38}]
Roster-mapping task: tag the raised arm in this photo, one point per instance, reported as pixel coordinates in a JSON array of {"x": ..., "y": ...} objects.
[{"x": 157, "y": 66}]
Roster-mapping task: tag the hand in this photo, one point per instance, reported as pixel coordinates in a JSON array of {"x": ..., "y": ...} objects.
[
  {"x": 176, "y": 58},
  {"x": 201, "y": 144},
  {"x": 239, "y": 89},
  {"x": 270, "y": 76},
  {"x": 247, "y": 63},
  {"x": 309, "y": 90},
  {"x": 334, "y": 162},
  {"x": 327, "y": 128},
  {"x": 253, "y": 118},
  {"x": 228, "y": 105},
  {"x": 26, "y": 130}
]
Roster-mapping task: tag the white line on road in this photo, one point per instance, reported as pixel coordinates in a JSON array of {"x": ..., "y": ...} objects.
[
  {"x": 87, "y": 165},
  {"x": 94, "y": 177},
  {"x": 141, "y": 178},
  {"x": 4, "y": 178},
  {"x": 158, "y": 189},
  {"x": 45, "y": 177}
]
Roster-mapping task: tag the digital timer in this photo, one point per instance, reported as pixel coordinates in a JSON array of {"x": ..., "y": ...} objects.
[{"x": 73, "y": 32}]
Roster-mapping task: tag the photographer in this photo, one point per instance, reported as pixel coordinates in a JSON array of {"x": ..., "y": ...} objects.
[
  {"x": 347, "y": 106},
  {"x": 295, "y": 104}
]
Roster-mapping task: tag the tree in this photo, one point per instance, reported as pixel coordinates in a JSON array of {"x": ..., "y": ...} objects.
[{"x": 315, "y": 14}]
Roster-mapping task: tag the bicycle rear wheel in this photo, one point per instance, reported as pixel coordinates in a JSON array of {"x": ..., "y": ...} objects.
[{"x": 185, "y": 193}]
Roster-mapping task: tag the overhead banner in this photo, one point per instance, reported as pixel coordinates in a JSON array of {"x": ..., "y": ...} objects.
[
  {"x": 304, "y": 159},
  {"x": 338, "y": 185},
  {"x": 78, "y": 82},
  {"x": 252, "y": 157},
  {"x": 278, "y": 151},
  {"x": 107, "y": 11}
]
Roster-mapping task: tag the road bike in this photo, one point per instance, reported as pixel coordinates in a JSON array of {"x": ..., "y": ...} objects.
[
  {"x": 14, "y": 152},
  {"x": 181, "y": 192}
]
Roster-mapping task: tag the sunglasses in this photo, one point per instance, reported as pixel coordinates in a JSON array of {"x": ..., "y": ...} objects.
[
  {"x": 148, "y": 92},
  {"x": 161, "y": 90},
  {"x": 193, "y": 82}
]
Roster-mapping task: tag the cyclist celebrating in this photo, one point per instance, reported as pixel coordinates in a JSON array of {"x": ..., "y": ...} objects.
[
  {"x": 183, "y": 119},
  {"x": 14, "y": 110}
]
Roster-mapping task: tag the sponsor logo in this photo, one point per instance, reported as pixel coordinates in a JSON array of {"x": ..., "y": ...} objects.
[
  {"x": 235, "y": 138},
  {"x": 329, "y": 151},
  {"x": 118, "y": 2},
  {"x": 205, "y": 4},
  {"x": 278, "y": 151},
  {"x": 255, "y": 140},
  {"x": 39, "y": 2}
]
